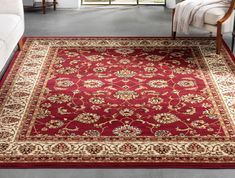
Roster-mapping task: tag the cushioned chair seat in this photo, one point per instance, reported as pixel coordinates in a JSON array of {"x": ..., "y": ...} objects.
[{"x": 215, "y": 14}]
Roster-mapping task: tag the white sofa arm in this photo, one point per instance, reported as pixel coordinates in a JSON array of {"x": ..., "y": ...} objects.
[{"x": 12, "y": 7}]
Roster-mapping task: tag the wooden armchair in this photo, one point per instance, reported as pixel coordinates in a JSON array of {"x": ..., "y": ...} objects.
[{"x": 218, "y": 21}]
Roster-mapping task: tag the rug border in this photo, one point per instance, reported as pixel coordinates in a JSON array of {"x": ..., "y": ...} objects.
[{"x": 70, "y": 165}]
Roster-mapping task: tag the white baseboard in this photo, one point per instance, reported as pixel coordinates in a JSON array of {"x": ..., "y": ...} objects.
[{"x": 71, "y": 4}]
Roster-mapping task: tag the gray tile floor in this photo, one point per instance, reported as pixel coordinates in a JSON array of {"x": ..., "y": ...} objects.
[
  {"x": 101, "y": 21},
  {"x": 105, "y": 21},
  {"x": 117, "y": 173},
  {"x": 109, "y": 21}
]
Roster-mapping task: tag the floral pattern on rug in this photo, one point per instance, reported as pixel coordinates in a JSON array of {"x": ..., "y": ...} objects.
[{"x": 97, "y": 99}]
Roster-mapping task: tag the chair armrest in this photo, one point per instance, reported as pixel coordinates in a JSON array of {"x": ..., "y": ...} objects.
[
  {"x": 228, "y": 13},
  {"x": 12, "y": 7}
]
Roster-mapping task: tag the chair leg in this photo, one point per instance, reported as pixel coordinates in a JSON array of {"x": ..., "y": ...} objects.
[
  {"x": 232, "y": 46},
  {"x": 44, "y": 6},
  {"x": 54, "y": 4},
  {"x": 218, "y": 38},
  {"x": 20, "y": 44},
  {"x": 211, "y": 34},
  {"x": 173, "y": 34}
]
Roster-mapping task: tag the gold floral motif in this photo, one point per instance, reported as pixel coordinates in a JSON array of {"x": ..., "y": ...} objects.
[
  {"x": 125, "y": 73},
  {"x": 5, "y": 135},
  {"x": 199, "y": 124},
  {"x": 161, "y": 133},
  {"x": 94, "y": 148},
  {"x": 71, "y": 54},
  {"x": 92, "y": 133},
  {"x": 177, "y": 54},
  {"x": 126, "y": 112},
  {"x": 166, "y": 118},
  {"x": 228, "y": 149},
  {"x": 20, "y": 94},
  {"x": 60, "y": 148},
  {"x": 96, "y": 100},
  {"x": 4, "y": 147},
  {"x": 155, "y": 100},
  {"x": 57, "y": 66},
  {"x": 100, "y": 50},
  {"x": 128, "y": 148},
  {"x": 158, "y": 83},
  {"x": 23, "y": 83},
  {"x": 124, "y": 51},
  {"x": 93, "y": 83},
  {"x": 127, "y": 131},
  {"x": 62, "y": 111},
  {"x": 64, "y": 83},
  {"x": 190, "y": 111},
  {"x": 54, "y": 124},
  {"x": 124, "y": 61},
  {"x": 26, "y": 148},
  {"x": 150, "y": 69},
  {"x": 60, "y": 98},
  {"x": 67, "y": 70},
  {"x": 148, "y": 49},
  {"x": 126, "y": 95},
  {"x": 87, "y": 118},
  {"x": 46, "y": 105},
  {"x": 210, "y": 113},
  {"x": 73, "y": 62},
  {"x": 99, "y": 69},
  {"x": 176, "y": 62},
  {"x": 42, "y": 113},
  {"x": 192, "y": 98},
  {"x": 154, "y": 58},
  {"x": 183, "y": 70},
  {"x": 162, "y": 148},
  {"x": 14, "y": 106},
  {"x": 59, "y": 60},
  {"x": 9, "y": 120},
  {"x": 186, "y": 83},
  {"x": 195, "y": 148},
  {"x": 95, "y": 58}
]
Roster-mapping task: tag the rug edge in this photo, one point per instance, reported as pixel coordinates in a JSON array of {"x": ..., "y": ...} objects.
[
  {"x": 131, "y": 165},
  {"x": 69, "y": 165}
]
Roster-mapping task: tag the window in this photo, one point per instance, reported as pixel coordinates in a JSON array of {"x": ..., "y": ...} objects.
[{"x": 123, "y": 2}]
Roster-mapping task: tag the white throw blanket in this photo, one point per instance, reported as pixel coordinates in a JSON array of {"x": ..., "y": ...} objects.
[{"x": 193, "y": 12}]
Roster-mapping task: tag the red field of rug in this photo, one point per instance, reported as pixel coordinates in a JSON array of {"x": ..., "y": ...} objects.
[{"x": 118, "y": 102}]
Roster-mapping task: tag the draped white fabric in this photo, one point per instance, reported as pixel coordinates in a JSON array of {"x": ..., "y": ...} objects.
[{"x": 193, "y": 12}]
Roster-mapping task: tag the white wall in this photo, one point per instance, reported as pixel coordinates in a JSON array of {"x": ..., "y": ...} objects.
[{"x": 68, "y": 3}]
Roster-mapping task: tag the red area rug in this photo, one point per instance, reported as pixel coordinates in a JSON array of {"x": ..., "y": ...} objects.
[{"x": 118, "y": 102}]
